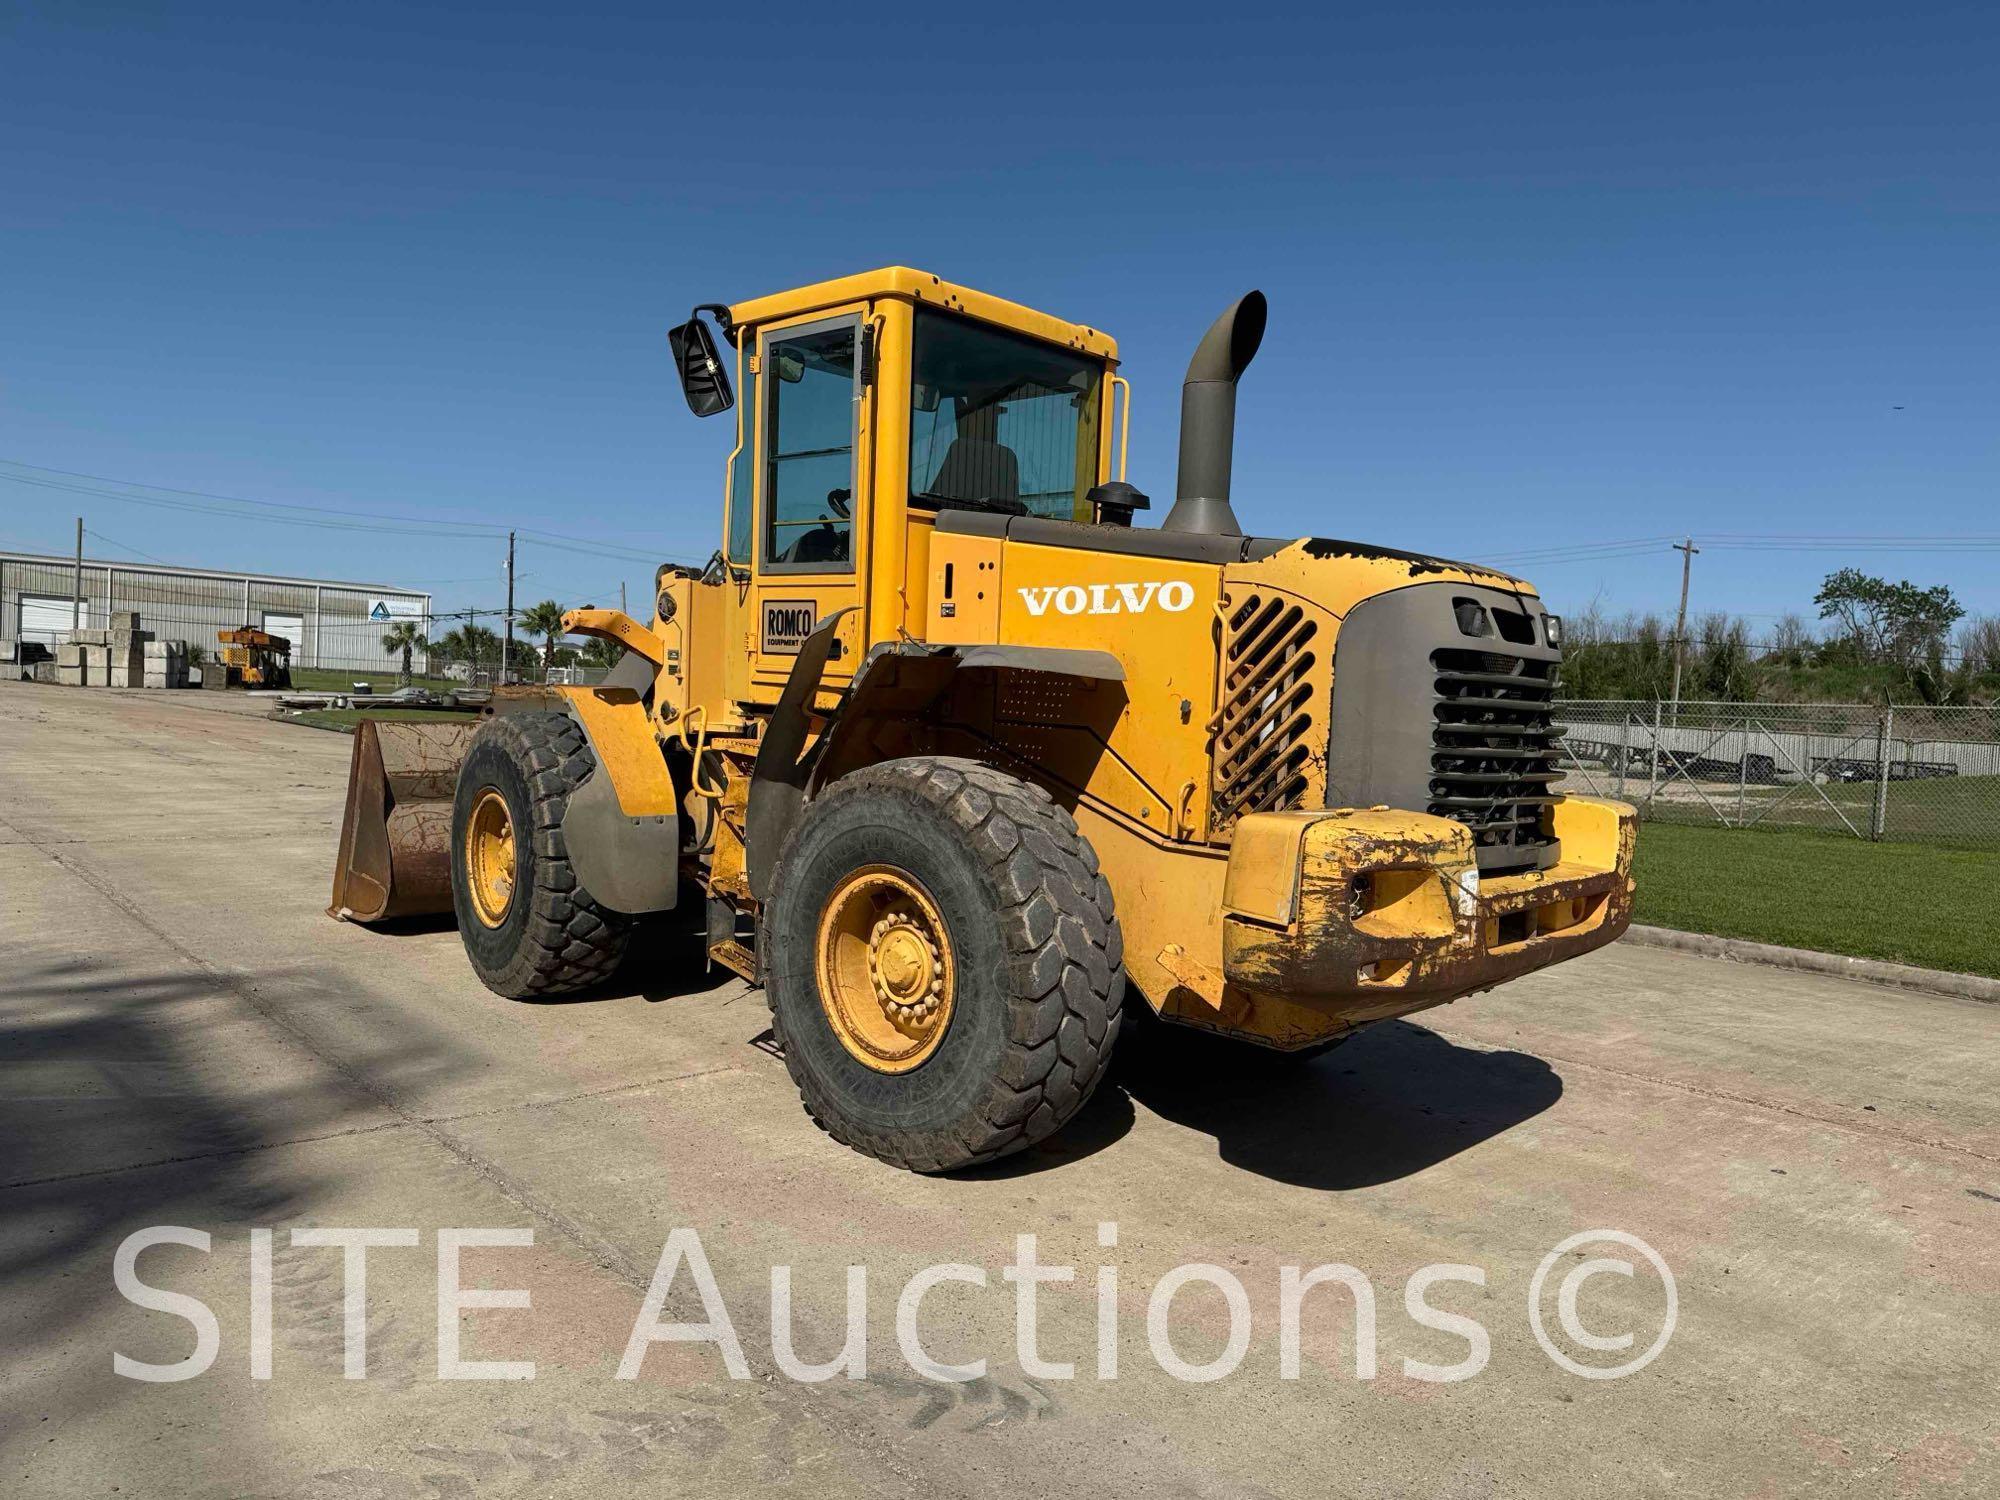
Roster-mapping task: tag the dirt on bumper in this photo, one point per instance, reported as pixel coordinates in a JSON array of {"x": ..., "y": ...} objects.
[{"x": 1337, "y": 918}]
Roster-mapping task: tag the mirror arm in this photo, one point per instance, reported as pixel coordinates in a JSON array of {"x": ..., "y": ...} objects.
[{"x": 720, "y": 312}]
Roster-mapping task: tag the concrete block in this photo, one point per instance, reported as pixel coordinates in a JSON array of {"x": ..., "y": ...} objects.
[
  {"x": 158, "y": 650},
  {"x": 69, "y": 654},
  {"x": 125, "y": 619},
  {"x": 87, "y": 637},
  {"x": 45, "y": 671},
  {"x": 77, "y": 676}
]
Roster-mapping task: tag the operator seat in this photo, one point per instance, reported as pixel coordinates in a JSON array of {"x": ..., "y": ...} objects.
[
  {"x": 824, "y": 543},
  {"x": 975, "y": 469}
]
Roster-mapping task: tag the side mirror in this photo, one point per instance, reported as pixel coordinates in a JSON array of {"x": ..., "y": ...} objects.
[{"x": 704, "y": 380}]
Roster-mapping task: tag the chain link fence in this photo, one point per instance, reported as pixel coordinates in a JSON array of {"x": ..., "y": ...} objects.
[
  {"x": 339, "y": 632},
  {"x": 1916, "y": 774}
]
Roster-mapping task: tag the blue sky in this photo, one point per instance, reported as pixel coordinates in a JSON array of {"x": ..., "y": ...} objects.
[{"x": 1540, "y": 276}]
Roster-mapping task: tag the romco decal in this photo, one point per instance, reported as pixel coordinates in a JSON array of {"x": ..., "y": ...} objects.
[
  {"x": 1108, "y": 598},
  {"x": 787, "y": 623}
]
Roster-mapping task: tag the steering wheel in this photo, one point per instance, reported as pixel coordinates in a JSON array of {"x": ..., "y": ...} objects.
[{"x": 838, "y": 499}]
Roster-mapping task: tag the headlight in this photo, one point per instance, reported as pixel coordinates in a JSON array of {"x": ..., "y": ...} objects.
[{"x": 1552, "y": 625}]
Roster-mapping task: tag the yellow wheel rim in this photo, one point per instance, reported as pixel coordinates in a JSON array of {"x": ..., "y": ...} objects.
[
  {"x": 885, "y": 969},
  {"x": 489, "y": 858}
]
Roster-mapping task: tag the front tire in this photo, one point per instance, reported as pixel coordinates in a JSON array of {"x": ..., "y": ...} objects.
[
  {"x": 529, "y": 929},
  {"x": 942, "y": 963}
]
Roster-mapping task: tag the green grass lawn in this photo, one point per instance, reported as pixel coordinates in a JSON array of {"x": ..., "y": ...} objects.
[
  {"x": 332, "y": 680},
  {"x": 344, "y": 719},
  {"x": 1909, "y": 903}
]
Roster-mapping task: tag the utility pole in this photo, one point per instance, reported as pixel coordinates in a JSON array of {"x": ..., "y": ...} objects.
[
  {"x": 76, "y": 587},
  {"x": 621, "y": 596},
  {"x": 1687, "y": 550},
  {"x": 507, "y": 651}
]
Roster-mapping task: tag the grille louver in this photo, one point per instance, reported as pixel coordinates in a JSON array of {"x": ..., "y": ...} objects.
[
  {"x": 1265, "y": 754},
  {"x": 1493, "y": 758}
]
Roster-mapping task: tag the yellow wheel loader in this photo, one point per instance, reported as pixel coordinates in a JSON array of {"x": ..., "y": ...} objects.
[{"x": 957, "y": 757}]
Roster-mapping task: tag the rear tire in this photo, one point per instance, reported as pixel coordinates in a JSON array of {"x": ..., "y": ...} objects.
[
  {"x": 1029, "y": 937},
  {"x": 550, "y": 937}
]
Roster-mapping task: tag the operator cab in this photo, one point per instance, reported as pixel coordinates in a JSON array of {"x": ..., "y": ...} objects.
[
  {"x": 1006, "y": 407},
  {"x": 872, "y": 408}
]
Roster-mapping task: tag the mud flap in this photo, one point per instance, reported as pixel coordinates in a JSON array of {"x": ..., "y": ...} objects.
[
  {"x": 395, "y": 837},
  {"x": 630, "y": 864},
  {"x": 778, "y": 780}
]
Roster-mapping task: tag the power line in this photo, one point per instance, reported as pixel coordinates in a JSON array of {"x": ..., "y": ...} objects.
[
  {"x": 332, "y": 518},
  {"x": 128, "y": 547},
  {"x": 1579, "y": 549},
  {"x": 1801, "y": 542}
]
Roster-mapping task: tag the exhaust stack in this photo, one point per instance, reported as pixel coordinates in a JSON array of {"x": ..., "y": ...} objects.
[{"x": 1208, "y": 420}]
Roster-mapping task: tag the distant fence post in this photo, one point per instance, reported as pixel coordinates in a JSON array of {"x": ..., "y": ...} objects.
[
  {"x": 1624, "y": 748},
  {"x": 1653, "y": 760},
  {"x": 1742, "y": 770},
  {"x": 1878, "y": 822}
]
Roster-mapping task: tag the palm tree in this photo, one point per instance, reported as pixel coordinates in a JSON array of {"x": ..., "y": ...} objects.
[
  {"x": 545, "y": 620},
  {"x": 470, "y": 644},
  {"x": 450, "y": 646},
  {"x": 598, "y": 652},
  {"x": 404, "y": 636},
  {"x": 481, "y": 643}
]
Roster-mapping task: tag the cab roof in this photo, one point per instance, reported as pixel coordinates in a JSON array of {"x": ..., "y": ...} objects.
[{"x": 920, "y": 287}]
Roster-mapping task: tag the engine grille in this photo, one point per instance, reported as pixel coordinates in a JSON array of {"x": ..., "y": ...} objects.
[
  {"x": 1265, "y": 754},
  {"x": 1493, "y": 756}
]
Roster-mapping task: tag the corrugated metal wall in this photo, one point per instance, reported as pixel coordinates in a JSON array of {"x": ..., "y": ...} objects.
[{"x": 336, "y": 629}]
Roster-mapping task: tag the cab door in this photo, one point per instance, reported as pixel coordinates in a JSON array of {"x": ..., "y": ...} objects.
[{"x": 813, "y": 495}]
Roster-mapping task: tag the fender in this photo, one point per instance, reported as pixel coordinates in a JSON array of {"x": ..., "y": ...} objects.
[
  {"x": 907, "y": 676},
  {"x": 623, "y": 827}
]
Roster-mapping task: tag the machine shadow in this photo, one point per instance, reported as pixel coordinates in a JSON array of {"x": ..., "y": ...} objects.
[
  {"x": 1392, "y": 1102},
  {"x": 417, "y": 926},
  {"x": 1104, "y": 1120},
  {"x": 1395, "y": 1100}
]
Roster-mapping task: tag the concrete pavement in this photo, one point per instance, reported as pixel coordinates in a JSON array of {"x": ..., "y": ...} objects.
[{"x": 185, "y": 1039}]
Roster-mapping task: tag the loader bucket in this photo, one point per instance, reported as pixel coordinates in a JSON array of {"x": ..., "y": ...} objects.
[{"x": 395, "y": 840}]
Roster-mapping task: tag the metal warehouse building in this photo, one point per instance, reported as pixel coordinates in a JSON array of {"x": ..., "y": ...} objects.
[{"x": 329, "y": 623}]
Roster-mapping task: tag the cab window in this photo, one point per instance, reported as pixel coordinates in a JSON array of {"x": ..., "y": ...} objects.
[
  {"x": 809, "y": 420},
  {"x": 999, "y": 421},
  {"x": 742, "y": 469}
]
